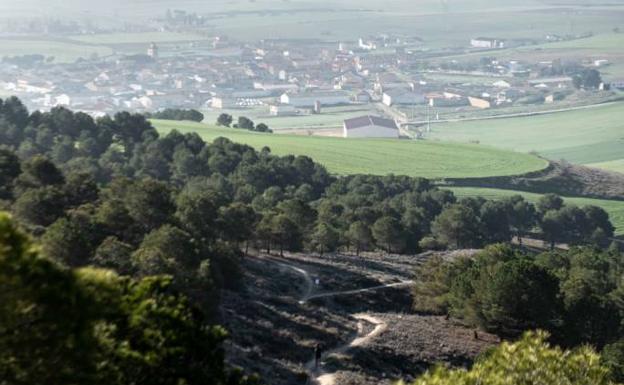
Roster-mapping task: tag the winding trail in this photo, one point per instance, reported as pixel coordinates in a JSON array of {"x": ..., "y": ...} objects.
[
  {"x": 318, "y": 375},
  {"x": 357, "y": 291},
  {"x": 309, "y": 285},
  {"x": 321, "y": 377}
]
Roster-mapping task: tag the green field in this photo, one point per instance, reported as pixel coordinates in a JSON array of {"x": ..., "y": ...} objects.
[
  {"x": 614, "y": 208},
  {"x": 63, "y": 52},
  {"x": 378, "y": 156},
  {"x": 584, "y": 136},
  {"x": 137, "y": 38},
  {"x": 614, "y": 165},
  {"x": 439, "y": 25}
]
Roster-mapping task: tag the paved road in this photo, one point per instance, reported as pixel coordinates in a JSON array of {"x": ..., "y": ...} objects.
[{"x": 515, "y": 115}]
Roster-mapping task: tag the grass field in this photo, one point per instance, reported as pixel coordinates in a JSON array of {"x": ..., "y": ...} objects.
[
  {"x": 581, "y": 136},
  {"x": 137, "y": 38},
  {"x": 441, "y": 23},
  {"x": 63, "y": 52},
  {"x": 614, "y": 165},
  {"x": 378, "y": 156},
  {"x": 614, "y": 208}
]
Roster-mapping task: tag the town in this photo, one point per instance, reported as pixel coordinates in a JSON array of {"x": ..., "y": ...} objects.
[{"x": 316, "y": 84}]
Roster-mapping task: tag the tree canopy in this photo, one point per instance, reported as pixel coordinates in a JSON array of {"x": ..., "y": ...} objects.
[{"x": 529, "y": 361}]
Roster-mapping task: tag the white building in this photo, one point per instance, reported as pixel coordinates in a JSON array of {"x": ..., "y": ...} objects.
[
  {"x": 222, "y": 102},
  {"x": 402, "y": 97},
  {"x": 367, "y": 45},
  {"x": 487, "y": 42},
  {"x": 370, "y": 127},
  {"x": 276, "y": 87},
  {"x": 282, "y": 110},
  {"x": 309, "y": 99}
]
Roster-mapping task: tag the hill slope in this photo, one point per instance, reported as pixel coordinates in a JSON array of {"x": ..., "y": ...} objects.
[
  {"x": 378, "y": 156},
  {"x": 579, "y": 136}
]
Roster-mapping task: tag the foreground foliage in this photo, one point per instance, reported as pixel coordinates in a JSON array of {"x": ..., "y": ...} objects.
[
  {"x": 91, "y": 326},
  {"x": 530, "y": 361}
]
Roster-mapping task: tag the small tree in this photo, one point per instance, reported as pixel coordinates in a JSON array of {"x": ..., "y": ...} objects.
[
  {"x": 549, "y": 202},
  {"x": 553, "y": 226},
  {"x": 388, "y": 233},
  {"x": 325, "y": 238},
  {"x": 224, "y": 120},
  {"x": 245, "y": 123},
  {"x": 263, "y": 128},
  {"x": 359, "y": 235},
  {"x": 522, "y": 216},
  {"x": 284, "y": 232},
  {"x": 588, "y": 78},
  {"x": 456, "y": 226}
]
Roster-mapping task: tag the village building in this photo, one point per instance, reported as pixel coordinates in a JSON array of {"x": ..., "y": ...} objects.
[
  {"x": 446, "y": 99},
  {"x": 370, "y": 127},
  {"x": 487, "y": 42},
  {"x": 402, "y": 97},
  {"x": 479, "y": 103},
  {"x": 282, "y": 110},
  {"x": 555, "y": 82},
  {"x": 310, "y": 99},
  {"x": 220, "y": 103}
]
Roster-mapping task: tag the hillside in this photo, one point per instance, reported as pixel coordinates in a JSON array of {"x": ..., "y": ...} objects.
[
  {"x": 379, "y": 157},
  {"x": 578, "y": 136},
  {"x": 369, "y": 337}
]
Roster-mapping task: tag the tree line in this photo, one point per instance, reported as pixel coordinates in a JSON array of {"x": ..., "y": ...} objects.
[
  {"x": 60, "y": 165},
  {"x": 576, "y": 295},
  {"x": 244, "y": 123},
  {"x": 176, "y": 114}
]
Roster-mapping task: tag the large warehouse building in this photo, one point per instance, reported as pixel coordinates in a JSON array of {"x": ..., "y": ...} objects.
[{"x": 370, "y": 127}]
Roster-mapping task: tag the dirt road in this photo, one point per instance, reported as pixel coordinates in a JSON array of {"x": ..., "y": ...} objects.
[
  {"x": 323, "y": 378},
  {"x": 318, "y": 375}
]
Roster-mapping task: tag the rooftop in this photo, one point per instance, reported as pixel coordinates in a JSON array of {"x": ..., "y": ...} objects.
[{"x": 369, "y": 120}]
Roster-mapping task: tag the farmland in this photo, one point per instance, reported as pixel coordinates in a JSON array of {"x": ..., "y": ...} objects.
[
  {"x": 579, "y": 136},
  {"x": 440, "y": 24},
  {"x": 614, "y": 165},
  {"x": 136, "y": 38},
  {"x": 614, "y": 208},
  {"x": 378, "y": 156},
  {"x": 62, "y": 51},
  {"x": 605, "y": 45}
]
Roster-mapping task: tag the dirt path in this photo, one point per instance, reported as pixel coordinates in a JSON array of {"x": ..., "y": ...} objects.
[
  {"x": 318, "y": 375},
  {"x": 323, "y": 378},
  {"x": 357, "y": 291},
  {"x": 309, "y": 285}
]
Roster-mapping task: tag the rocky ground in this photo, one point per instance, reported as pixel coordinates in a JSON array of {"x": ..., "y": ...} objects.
[
  {"x": 278, "y": 318},
  {"x": 410, "y": 345}
]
